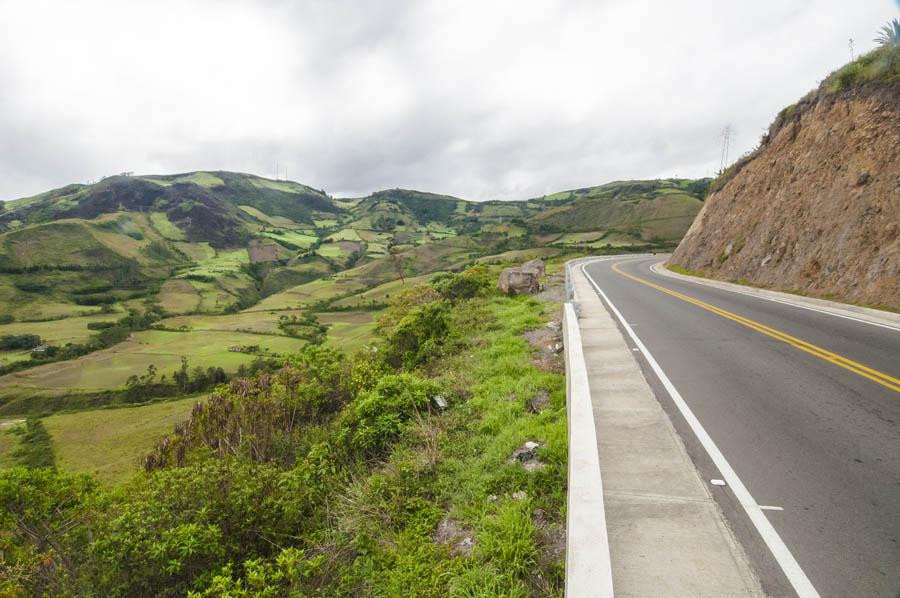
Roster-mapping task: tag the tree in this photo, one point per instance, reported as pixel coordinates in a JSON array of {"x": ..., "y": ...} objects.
[
  {"x": 889, "y": 34},
  {"x": 181, "y": 376}
]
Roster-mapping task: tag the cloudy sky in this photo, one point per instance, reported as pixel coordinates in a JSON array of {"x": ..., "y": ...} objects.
[{"x": 480, "y": 99}]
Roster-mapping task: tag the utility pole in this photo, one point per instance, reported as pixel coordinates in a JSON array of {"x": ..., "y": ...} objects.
[
  {"x": 727, "y": 133},
  {"x": 850, "y": 43}
]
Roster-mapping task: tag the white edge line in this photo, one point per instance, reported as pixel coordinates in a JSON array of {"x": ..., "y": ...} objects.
[
  {"x": 588, "y": 564},
  {"x": 789, "y": 565},
  {"x": 658, "y": 271}
]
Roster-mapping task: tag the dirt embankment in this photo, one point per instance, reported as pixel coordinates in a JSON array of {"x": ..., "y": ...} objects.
[{"x": 816, "y": 210}]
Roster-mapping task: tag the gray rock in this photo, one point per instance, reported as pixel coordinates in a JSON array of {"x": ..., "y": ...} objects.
[
  {"x": 524, "y": 279},
  {"x": 526, "y": 456},
  {"x": 537, "y": 403}
]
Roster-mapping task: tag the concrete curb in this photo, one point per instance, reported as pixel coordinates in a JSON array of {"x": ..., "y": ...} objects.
[
  {"x": 588, "y": 566},
  {"x": 843, "y": 310}
]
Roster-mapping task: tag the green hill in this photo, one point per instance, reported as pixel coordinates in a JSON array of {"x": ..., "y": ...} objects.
[{"x": 218, "y": 256}]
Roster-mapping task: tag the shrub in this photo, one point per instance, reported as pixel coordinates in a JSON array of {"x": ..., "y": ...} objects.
[
  {"x": 377, "y": 417},
  {"x": 34, "y": 449},
  {"x": 12, "y": 342},
  {"x": 418, "y": 336}
]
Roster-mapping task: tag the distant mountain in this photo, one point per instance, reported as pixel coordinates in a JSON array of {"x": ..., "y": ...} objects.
[
  {"x": 217, "y": 241},
  {"x": 208, "y": 206}
]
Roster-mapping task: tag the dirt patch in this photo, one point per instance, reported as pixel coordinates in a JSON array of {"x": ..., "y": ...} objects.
[
  {"x": 452, "y": 533},
  {"x": 177, "y": 285},
  {"x": 349, "y": 246},
  {"x": 548, "y": 346},
  {"x": 551, "y": 544},
  {"x": 262, "y": 252},
  {"x": 554, "y": 288},
  {"x": 351, "y": 317}
]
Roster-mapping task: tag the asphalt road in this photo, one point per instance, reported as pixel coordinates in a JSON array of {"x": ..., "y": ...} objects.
[{"x": 803, "y": 434}]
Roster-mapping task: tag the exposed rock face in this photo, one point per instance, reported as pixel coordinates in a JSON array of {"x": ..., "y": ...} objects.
[
  {"x": 522, "y": 279},
  {"x": 817, "y": 210}
]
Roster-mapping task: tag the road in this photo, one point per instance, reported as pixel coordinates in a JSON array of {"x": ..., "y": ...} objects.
[{"x": 815, "y": 435}]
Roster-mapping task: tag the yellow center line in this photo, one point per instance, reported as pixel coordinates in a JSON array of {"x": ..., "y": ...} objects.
[{"x": 847, "y": 364}]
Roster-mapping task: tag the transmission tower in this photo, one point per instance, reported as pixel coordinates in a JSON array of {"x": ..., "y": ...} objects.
[
  {"x": 727, "y": 133},
  {"x": 850, "y": 44}
]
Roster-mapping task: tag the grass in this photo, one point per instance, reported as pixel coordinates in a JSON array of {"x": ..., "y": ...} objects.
[
  {"x": 686, "y": 271},
  {"x": 204, "y": 179},
  {"x": 293, "y": 237},
  {"x": 332, "y": 250},
  {"x": 309, "y": 293},
  {"x": 349, "y": 331},
  {"x": 474, "y": 482},
  {"x": 347, "y": 234},
  {"x": 110, "y": 368},
  {"x": 261, "y": 322},
  {"x": 9, "y": 443},
  {"x": 33, "y": 448},
  {"x": 58, "y": 332},
  {"x": 108, "y": 442},
  {"x": 165, "y": 227},
  {"x": 179, "y": 296},
  {"x": 276, "y": 221},
  {"x": 380, "y": 293}
]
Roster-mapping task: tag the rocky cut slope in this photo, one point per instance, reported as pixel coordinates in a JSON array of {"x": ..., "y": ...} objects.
[{"x": 816, "y": 209}]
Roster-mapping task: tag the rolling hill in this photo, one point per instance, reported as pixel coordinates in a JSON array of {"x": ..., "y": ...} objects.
[{"x": 216, "y": 257}]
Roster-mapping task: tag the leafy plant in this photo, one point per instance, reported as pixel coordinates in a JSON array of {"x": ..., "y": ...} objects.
[{"x": 889, "y": 34}]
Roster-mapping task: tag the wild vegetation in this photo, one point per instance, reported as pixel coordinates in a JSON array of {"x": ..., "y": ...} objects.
[
  {"x": 387, "y": 473},
  {"x": 368, "y": 387},
  {"x": 140, "y": 271}
]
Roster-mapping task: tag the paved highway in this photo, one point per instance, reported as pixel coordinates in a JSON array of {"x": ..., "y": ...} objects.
[{"x": 812, "y": 434}]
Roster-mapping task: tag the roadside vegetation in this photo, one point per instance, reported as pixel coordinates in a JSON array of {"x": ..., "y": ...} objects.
[{"x": 391, "y": 472}]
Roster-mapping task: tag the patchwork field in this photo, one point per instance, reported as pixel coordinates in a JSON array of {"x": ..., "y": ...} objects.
[
  {"x": 223, "y": 256},
  {"x": 110, "y": 368}
]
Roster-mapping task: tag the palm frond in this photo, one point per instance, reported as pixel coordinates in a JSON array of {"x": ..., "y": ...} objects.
[{"x": 889, "y": 34}]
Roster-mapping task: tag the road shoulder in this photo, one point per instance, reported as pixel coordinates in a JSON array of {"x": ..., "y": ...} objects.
[
  {"x": 843, "y": 310},
  {"x": 665, "y": 528}
]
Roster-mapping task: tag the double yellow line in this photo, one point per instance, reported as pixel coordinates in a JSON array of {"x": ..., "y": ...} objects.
[{"x": 847, "y": 364}]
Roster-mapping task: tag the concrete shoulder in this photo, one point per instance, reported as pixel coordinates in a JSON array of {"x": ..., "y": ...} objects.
[
  {"x": 667, "y": 535},
  {"x": 844, "y": 310}
]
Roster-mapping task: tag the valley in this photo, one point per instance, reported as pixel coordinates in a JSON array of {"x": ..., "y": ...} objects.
[{"x": 221, "y": 263}]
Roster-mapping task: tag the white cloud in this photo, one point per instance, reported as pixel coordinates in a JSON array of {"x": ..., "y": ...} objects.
[{"x": 501, "y": 99}]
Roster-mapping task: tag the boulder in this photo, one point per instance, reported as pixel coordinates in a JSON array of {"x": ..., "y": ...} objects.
[{"x": 524, "y": 279}]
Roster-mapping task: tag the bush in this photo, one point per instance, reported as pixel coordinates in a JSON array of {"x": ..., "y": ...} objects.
[
  {"x": 471, "y": 283},
  {"x": 34, "y": 445},
  {"x": 6, "y": 319},
  {"x": 377, "y": 417},
  {"x": 418, "y": 336},
  {"x": 12, "y": 342}
]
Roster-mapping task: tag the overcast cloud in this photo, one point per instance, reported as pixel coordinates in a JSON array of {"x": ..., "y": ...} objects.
[{"x": 480, "y": 99}]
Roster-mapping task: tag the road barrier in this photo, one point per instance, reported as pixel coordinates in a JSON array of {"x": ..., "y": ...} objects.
[{"x": 588, "y": 568}]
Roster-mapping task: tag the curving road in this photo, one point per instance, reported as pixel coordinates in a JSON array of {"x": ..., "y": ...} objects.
[{"x": 812, "y": 433}]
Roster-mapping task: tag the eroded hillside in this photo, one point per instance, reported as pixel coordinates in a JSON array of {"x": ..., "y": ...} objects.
[{"x": 815, "y": 210}]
